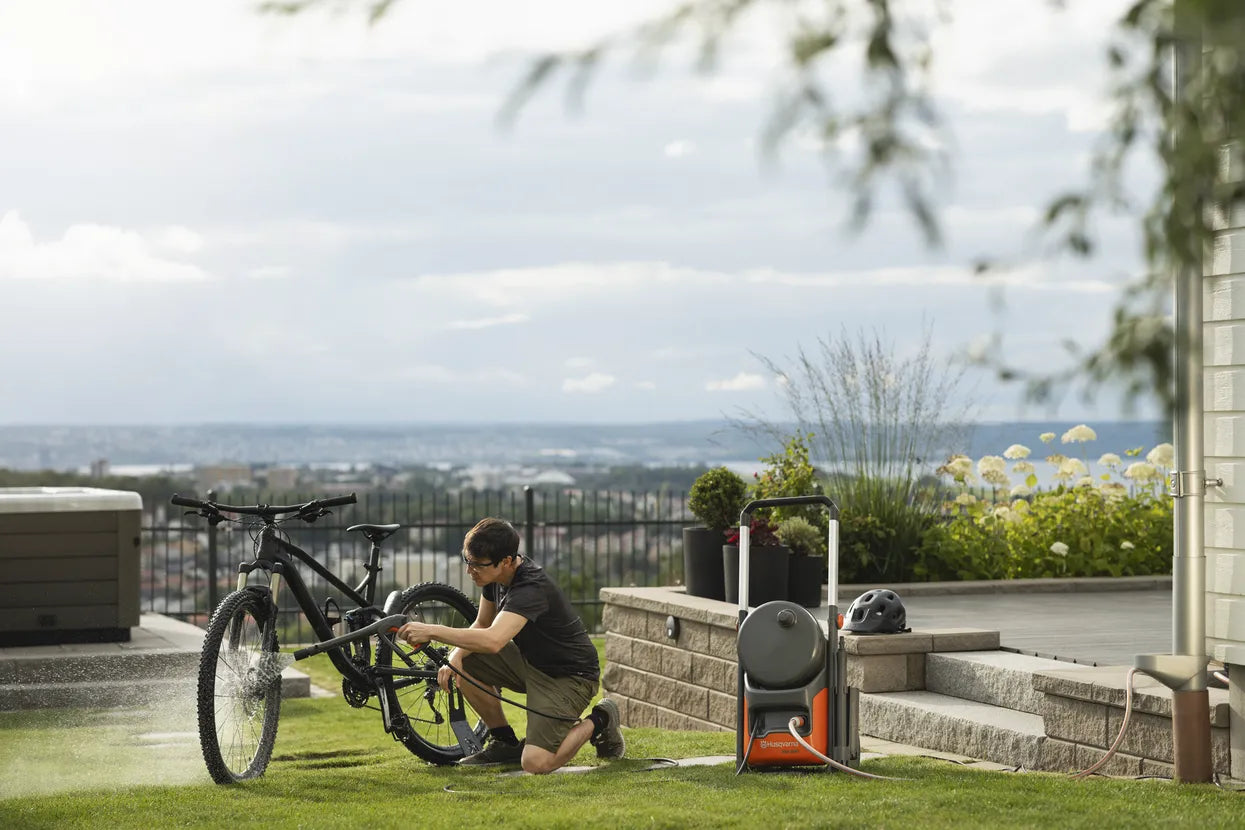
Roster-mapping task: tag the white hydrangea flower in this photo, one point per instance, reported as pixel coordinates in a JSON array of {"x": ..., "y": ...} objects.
[
  {"x": 1072, "y": 467},
  {"x": 991, "y": 464},
  {"x": 1016, "y": 451},
  {"x": 1126, "y": 545},
  {"x": 1047, "y": 437},
  {"x": 1020, "y": 491},
  {"x": 1059, "y": 549},
  {"x": 1110, "y": 459},
  {"x": 1079, "y": 434},
  {"x": 1141, "y": 471},
  {"x": 1164, "y": 455},
  {"x": 1023, "y": 467},
  {"x": 1020, "y": 505},
  {"x": 959, "y": 467},
  {"x": 1002, "y": 513},
  {"x": 966, "y": 499},
  {"x": 1084, "y": 481}
]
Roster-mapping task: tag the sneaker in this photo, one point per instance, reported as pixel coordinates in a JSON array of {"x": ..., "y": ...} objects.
[
  {"x": 609, "y": 741},
  {"x": 495, "y": 753}
]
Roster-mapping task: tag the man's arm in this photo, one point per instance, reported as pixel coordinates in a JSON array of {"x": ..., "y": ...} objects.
[{"x": 487, "y": 639}]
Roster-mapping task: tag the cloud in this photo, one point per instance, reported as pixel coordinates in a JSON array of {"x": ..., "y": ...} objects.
[
  {"x": 589, "y": 384},
  {"x": 578, "y": 362},
  {"x": 646, "y": 385},
  {"x": 487, "y": 322},
  {"x": 96, "y": 252},
  {"x": 435, "y": 373},
  {"x": 679, "y": 149},
  {"x": 742, "y": 382},
  {"x": 269, "y": 272}
]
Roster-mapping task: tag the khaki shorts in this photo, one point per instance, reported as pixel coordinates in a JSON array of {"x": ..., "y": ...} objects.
[{"x": 566, "y": 697}]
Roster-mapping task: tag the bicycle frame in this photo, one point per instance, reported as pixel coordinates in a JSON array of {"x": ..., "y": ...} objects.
[{"x": 278, "y": 558}]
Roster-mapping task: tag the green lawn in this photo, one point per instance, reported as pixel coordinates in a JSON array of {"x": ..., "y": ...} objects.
[{"x": 333, "y": 768}]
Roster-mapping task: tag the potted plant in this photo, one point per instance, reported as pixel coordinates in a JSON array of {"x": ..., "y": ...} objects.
[
  {"x": 716, "y": 499},
  {"x": 768, "y": 563},
  {"x": 806, "y": 575}
]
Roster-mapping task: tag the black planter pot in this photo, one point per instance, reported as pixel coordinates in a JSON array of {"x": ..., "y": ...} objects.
[
  {"x": 806, "y": 580},
  {"x": 702, "y": 562},
  {"x": 768, "y": 566}
]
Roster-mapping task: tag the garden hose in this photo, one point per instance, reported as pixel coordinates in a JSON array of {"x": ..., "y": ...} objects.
[
  {"x": 794, "y": 723},
  {"x": 1119, "y": 739}
]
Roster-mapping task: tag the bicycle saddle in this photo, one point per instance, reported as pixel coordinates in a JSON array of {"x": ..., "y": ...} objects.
[{"x": 375, "y": 533}]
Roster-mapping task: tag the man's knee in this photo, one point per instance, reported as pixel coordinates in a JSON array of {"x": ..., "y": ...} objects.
[{"x": 539, "y": 761}]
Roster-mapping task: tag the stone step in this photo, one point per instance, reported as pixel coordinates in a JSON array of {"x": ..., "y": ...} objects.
[
  {"x": 108, "y": 693},
  {"x": 942, "y": 722},
  {"x": 103, "y": 665},
  {"x": 999, "y": 678}
]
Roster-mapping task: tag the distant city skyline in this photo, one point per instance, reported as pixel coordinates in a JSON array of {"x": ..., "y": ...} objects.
[{"x": 216, "y": 216}]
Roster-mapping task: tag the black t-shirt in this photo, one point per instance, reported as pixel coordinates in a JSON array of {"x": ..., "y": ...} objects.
[{"x": 554, "y": 639}]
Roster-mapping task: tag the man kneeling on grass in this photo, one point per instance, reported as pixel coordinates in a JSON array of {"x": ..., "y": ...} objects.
[{"x": 525, "y": 637}]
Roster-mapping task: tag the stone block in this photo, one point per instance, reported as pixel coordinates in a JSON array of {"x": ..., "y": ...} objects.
[
  {"x": 676, "y": 663},
  {"x": 640, "y": 714},
  {"x": 722, "y": 709},
  {"x": 646, "y": 656},
  {"x": 887, "y": 643},
  {"x": 1056, "y": 756},
  {"x": 714, "y": 674},
  {"x": 939, "y": 722},
  {"x": 963, "y": 639},
  {"x": 1075, "y": 720},
  {"x": 655, "y": 627},
  {"x": 878, "y": 673},
  {"x": 916, "y": 672},
  {"x": 722, "y": 644},
  {"x": 627, "y": 621},
  {"x": 617, "y": 648},
  {"x": 1147, "y": 736},
  {"x": 678, "y": 721},
  {"x": 693, "y": 636}
]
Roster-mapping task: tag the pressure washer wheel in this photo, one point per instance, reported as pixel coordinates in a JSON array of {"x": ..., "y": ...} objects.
[{"x": 880, "y": 611}]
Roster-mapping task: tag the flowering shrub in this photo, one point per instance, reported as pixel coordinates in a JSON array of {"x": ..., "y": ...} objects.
[
  {"x": 760, "y": 534},
  {"x": 1088, "y": 525}
]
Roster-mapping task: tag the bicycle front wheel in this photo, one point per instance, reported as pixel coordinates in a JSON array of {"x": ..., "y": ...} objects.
[
  {"x": 239, "y": 688},
  {"x": 425, "y": 705}
]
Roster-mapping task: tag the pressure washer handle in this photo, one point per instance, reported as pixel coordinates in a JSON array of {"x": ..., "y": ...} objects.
[
  {"x": 788, "y": 501},
  {"x": 832, "y": 545},
  {"x": 385, "y": 625}
]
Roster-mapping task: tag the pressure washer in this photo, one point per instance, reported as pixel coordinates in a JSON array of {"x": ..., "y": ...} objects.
[{"x": 794, "y": 707}]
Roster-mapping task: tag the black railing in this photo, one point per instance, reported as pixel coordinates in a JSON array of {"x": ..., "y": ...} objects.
[{"x": 586, "y": 540}]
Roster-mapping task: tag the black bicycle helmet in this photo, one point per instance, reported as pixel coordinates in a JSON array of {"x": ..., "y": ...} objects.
[{"x": 879, "y": 611}]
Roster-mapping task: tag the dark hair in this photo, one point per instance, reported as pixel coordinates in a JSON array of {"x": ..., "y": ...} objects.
[{"x": 492, "y": 540}]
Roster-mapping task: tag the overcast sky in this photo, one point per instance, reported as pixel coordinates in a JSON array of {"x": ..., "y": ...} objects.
[{"x": 212, "y": 215}]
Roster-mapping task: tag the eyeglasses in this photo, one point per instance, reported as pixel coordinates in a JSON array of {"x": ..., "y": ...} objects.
[{"x": 476, "y": 566}]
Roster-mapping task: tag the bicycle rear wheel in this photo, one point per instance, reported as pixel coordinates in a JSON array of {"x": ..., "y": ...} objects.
[
  {"x": 425, "y": 705},
  {"x": 239, "y": 688}
]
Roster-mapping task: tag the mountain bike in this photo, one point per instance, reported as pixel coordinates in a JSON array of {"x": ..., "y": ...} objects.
[{"x": 239, "y": 683}]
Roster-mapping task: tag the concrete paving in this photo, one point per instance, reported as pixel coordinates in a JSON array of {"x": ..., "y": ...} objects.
[{"x": 1097, "y": 627}]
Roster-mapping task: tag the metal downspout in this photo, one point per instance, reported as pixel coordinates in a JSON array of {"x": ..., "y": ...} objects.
[{"x": 1184, "y": 670}]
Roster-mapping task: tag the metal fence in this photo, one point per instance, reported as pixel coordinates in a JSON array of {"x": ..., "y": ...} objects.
[{"x": 586, "y": 540}]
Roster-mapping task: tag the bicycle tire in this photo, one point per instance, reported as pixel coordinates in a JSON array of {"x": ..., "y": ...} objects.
[
  {"x": 239, "y": 695},
  {"x": 430, "y": 736}
]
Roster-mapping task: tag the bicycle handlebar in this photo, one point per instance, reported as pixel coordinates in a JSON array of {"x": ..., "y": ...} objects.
[{"x": 264, "y": 509}]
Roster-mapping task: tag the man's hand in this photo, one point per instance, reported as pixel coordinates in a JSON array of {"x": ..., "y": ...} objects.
[
  {"x": 445, "y": 676},
  {"x": 416, "y": 634}
]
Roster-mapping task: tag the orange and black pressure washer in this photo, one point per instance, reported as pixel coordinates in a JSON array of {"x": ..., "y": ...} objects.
[{"x": 789, "y": 668}]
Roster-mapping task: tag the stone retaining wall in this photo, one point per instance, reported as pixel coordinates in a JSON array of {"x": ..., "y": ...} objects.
[
  {"x": 688, "y": 681},
  {"x": 685, "y": 678}
]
